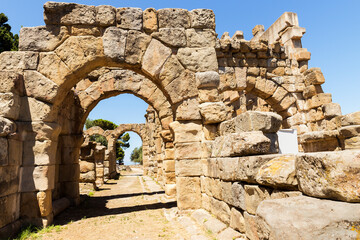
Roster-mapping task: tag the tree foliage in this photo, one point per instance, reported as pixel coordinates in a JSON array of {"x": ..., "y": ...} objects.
[
  {"x": 137, "y": 156},
  {"x": 100, "y": 139},
  {"x": 104, "y": 124},
  {"x": 8, "y": 41},
  {"x": 122, "y": 143}
]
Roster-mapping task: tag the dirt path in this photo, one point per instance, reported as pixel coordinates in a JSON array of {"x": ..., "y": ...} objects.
[{"x": 128, "y": 208}]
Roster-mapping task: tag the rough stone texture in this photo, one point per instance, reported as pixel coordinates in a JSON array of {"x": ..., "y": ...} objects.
[
  {"x": 173, "y": 18},
  {"x": 213, "y": 112},
  {"x": 278, "y": 172},
  {"x": 237, "y": 220},
  {"x": 6, "y": 127},
  {"x": 150, "y": 23},
  {"x": 188, "y": 110},
  {"x": 315, "y": 219},
  {"x": 188, "y": 150},
  {"x": 9, "y": 105},
  {"x": 39, "y": 87},
  {"x": 351, "y": 119},
  {"x": 207, "y": 79},
  {"x": 241, "y": 144},
  {"x": 330, "y": 175},
  {"x": 215, "y": 226},
  {"x": 42, "y": 39},
  {"x": 228, "y": 233},
  {"x": 314, "y": 76},
  {"x": 182, "y": 87},
  {"x": 129, "y": 18},
  {"x": 136, "y": 44},
  {"x": 105, "y": 15},
  {"x": 69, "y": 14},
  {"x": 202, "y": 18},
  {"x": 200, "y": 38},
  {"x": 114, "y": 41},
  {"x": 186, "y": 132},
  {"x": 37, "y": 178},
  {"x": 254, "y": 195},
  {"x": 188, "y": 192},
  {"x": 10, "y": 209},
  {"x": 188, "y": 168},
  {"x": 189, "y": 58},
  {"x": 26, "y": 60},
  {"x": 171, "y": 70},
  {"x": 44, "y": 201},
  {"x": 174, "y": 37},
  {"x": 154, "y": 58}
]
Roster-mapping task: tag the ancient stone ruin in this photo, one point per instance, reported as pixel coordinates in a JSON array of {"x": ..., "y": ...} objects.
[{"x": 211, "y": 133}]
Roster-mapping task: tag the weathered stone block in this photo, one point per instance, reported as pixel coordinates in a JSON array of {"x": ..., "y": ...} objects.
[
  {"x": 188, "y": 150},
  {"x": 267, "y": 122},
  {"x": 69, "y": 14},
  {"x": 207, "y": 79},
  {"x": 154, "y": 58},
  {"x": 202, "y": 18},
  {"x": 39, "y": 87},
  {"x": 51, "y": 66},
  {"x": 188, "y": 110},
  {"x": 9, "y": 210},
  {"x": 35, "y": 110},
  {"x": 200, "y": 38},
  {"x": 314, "y": 76},
  {"x": 37, "y": 178},
  {"x": 188, "y": 168},
  {"x": 173, "y": 18},
  {"x": 329, "y": 175},
  {"x": 213, "y": 112},
  {"x": 6, "y": 127},
  {"x": 11, "y": 81},
  {"x": 174, "y": 37},
  {"x": 313, "y": 219},
  {"x": 15, "y": 152},
  {"x": 39, "y": 152},
  {"x": 186, "y": 132},
  {"x": 9, "y": 180},
  {"x": 114, "y": 41},
  {"x": 237, "y": 220},
  {"x": 188, "y": 192},
  {"x": 150, "y": 21},
  {"x": 45, "y": 203},
  {"x": 189, "y": 57},
  {"x": 171, "y": 70},
  {"x": 254, "y": 195},
  {"x": 318, "y": 100},
  {"x": 105, "y": 15},
  {"x": 136, "y": 45},
  {"x": 129, "y": 18},
  {"x": 221, "y": 210},
  {"x": 351, "y": 119},
  {"x": 278, "y": 172},
  {"x": 13, "y": 60},
  {"x": 229, "y": 233},
  {"x": 182, "y": 87},
  {"x": 4, "y": 152},
  {"x": 9, "y": 105}
]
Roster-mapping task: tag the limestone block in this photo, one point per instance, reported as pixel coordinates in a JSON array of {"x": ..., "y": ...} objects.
[
  {"x": 39, "y": 152},
  {"x": 320, "y": 141},
  {"x": 277, "y": 96},
  {"x": 242, "y": 144},
  {"x": 69, "y": 14},
  {"x": 221, "y": 210},
  {"x": 38, "y": 130},
  {"x": 150, "y": 23},
  {"x": 89, "y": 177},
  {"x": 9, "y": 210},
  {"x": 188, "y": 168},
  {"x": 278, "y": 172},
  {"x": 188, "y": 110},
  {"x": 205, "y": 202},
  {"x": 312, "y": 90},
  {"x": 352, "y": 143},
  {"x": 44, "y": 200},
  {"x": 264, "y": 88},
  {"x": 70, "y": 172},
  {"x": 136, "y": 45},
  {"x": 350, "y": 131},
  {"x": 16, "y": 60},
  {"x": 189, "y": 57},
  {"x": 6, "y": 127},
  {"x": 80, "y": 30},
  {"x": 35, "y": 110},
  {"x": 240, "y": 78},
  {"x": 42, "y": 38},
  {"x": 37, "y": 178},
  {"x": 188, "y": 192},
  {"x": 173, "y": 18},
  {"x": 77, "y": 51},
  {"x": 318, "y": 100},
  {"x": 314, "y": 76},
  {"x": 227, "y": 79},
  {"x": 52, "y": 67},
  {"x": 208, "y": 95},
  {"x": 105, "y": 15},
  {"x": 9, "y": 179},
  {"x": 169, "y": 165},
  {"x": 39, "y": 87},
  {"x": 202, "y": 18},
  {"x": 174, "y": 37},
  {"x": 351, "y": 119},
  {"x": 200, "y": 38},
  {"x": 191, "y": 150},
  {"x": 171, "y": 70},
  {"x": 9, "y": 105},
  {"x": 86, "y": 166},
  {"x": 169, "y": 154},
  {"x": 267, "y": 122},
  {"x": 254, "y": 195},
  {"x": 237, "y": 220},
  {"x": 229, "y": 233},
  {"x": 15, "y": 152},
  {"x": 169, "y": 177},
  {"x": 249, "y": 166},
  {"x": 154, "y": 58},
  {"x": 114, "y": 41},
  {"x": 129, "y": 18},
  {"x": 307, "y": 218},
  {"x": 285, "y": 103},
  {"x": 11, "y": 81},
  {"x": 226, "y": 168},
  {"x": 213, "y": 112},
  {"x": 332, "y": 110},
  {"x": 236, "y": 40},
  {"x": 182, "y": 87},
  {"x": 214, "y": 225},
  {"x": 329, "y": 175},
  {"x": 207, "y": 79}
]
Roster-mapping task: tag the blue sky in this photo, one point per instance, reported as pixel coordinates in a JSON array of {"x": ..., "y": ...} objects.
[{"x": 333, "y": 31}]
